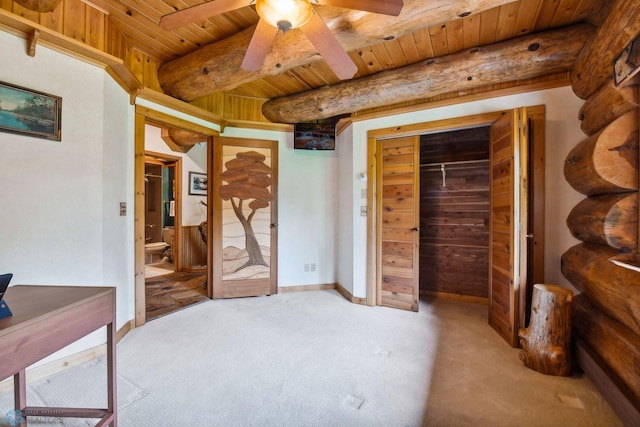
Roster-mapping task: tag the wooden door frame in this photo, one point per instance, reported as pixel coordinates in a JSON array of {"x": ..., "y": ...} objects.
[
  {"x": 143, "y": 116},
  {"x": 177, "y": 161},
  {"x": 446, "y": 125}
]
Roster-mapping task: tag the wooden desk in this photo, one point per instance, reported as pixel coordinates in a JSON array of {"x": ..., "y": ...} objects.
[{"x": 46, "y": 319}]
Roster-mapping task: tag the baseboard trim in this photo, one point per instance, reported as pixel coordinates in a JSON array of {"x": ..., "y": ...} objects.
[
  {"x": 302, "y": 288},
  {"x": 124, "y": 330},
  {"x": 326, "y": 287},
  {"x": 345, "y": 293},
  {"x": 454, "y": 297},
  {"x": 60, "y": 365}
]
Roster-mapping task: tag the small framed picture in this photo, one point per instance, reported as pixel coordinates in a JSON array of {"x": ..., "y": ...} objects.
[
  {"x": 197, "y": 184},
  {"x": 29, "y": 112}
]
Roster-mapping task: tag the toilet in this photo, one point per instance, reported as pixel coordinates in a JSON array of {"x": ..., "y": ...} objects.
[{"x": 153, "y": 251}]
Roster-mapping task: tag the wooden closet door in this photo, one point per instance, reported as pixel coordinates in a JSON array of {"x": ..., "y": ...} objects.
[
  {"x": 507, "y": 254},
  {"x": 398, "y": 189}
]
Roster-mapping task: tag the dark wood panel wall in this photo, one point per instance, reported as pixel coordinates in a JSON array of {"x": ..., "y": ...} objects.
[
  {"x": 454, "y": 212},
  {"x": 193, "y": 250}
]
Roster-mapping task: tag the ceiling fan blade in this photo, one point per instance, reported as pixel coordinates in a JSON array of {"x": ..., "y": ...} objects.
[
  {"x": 259, "y": 46},
  {"x": 323, "y": 39},
  {"x": 386, "y": 7},
  {"x": 199, "y": 12}
]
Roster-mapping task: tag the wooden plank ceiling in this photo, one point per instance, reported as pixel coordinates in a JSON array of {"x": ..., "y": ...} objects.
[{"x": 138, "y": 22}]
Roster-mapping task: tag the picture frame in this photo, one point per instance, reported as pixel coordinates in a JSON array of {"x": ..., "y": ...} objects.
[
  {"x": 29, "y": 112},
  {"x": 197, "y": 184}
]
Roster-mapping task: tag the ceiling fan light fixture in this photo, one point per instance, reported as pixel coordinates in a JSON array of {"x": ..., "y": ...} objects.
[{"x": 284, "y": 14}]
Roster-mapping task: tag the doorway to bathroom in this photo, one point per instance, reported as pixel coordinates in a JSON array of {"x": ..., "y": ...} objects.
[{"x": 162, "y": 211}]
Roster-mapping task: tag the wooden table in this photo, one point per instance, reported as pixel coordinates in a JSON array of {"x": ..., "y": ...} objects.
[{"x": 46, "y": 319}]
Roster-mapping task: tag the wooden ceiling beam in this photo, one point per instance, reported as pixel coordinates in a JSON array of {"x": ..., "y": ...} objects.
[
  {"x": 216, "y": 67},
  {"x": 522, "y": 58}
]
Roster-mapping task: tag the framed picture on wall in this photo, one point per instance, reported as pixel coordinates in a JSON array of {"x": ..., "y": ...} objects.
[
  {"x": 197, "y": 184},
  {"x": 29, "y": 112}
]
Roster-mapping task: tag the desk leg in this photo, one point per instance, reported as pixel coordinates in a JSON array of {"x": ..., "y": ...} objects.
[
  {"x": 20, "y": 393},
  {"x": 112, "y": 401}
]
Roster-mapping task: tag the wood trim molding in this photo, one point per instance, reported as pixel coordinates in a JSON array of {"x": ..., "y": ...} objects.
[
  {"x": 21, "y": 27},
  {"x": 437, "y": 125},
  {"x": 162, "y": 119},
  {"x": 345, "y": 293},
  {"x": 124, "y": 330},
  {"x": 326, "y": 287},
  {"x": 139, "y": 214},
  {"x": 303, "y": 288},
  {"x": 247, "y": 124},
  {"x": 179, "y": 106}
]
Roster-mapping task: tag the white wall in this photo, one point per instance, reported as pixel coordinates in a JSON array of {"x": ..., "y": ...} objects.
[
  {"x": 60, "y": 199},
  {"x": 346, "y": 208},
  {"x": 307, "y": 209},
  {"x": 195, "y": 160},
  {"x": 562, "y": 134}
]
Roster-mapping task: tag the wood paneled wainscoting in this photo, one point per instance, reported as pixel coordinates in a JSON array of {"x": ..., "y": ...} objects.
[
  {"x": 454, "y": 213},
  {"x": 193, "y": 249}
]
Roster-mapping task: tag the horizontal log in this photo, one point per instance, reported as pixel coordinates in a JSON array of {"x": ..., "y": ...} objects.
[
  {"x": 615, "y": 290},
  {"x": 181, "y": 140},
  {"x": 609, "y": 219},
  {"x": 216, "y": 67},
  {"x": 617, "y": 347},
  {"x": 606, "y": 162},
  {"x": 594, "y": 66},
  {"x": 606, "y": 105},
  {"x": 525, "y": 57}
]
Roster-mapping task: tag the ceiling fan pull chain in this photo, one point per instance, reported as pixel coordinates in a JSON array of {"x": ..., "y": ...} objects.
[{"x": 280, "y": 43}]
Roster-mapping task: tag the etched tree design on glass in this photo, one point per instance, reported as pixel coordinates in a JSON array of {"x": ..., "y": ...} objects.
[{"x": 248, "y": 179}]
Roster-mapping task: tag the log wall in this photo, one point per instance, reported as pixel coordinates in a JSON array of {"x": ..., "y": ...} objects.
[
  {"x": 604, "y": 167},
  {"x": 454, "y": 217}
]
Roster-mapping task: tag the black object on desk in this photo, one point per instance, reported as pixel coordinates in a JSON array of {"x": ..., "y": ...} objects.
[{"x": 4, "y": 284}]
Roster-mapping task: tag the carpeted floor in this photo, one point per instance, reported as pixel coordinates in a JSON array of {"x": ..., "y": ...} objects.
[{"x": 314, "y": 359}]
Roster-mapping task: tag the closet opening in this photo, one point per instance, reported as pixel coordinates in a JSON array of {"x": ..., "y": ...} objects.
[{"x": 454, "y": 214}]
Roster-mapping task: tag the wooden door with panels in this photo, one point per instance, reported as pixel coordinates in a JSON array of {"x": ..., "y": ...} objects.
[
  {"x": 399, "y": 210},
  {"x": 516, "y": 253},
  {"x": 509, "y": 150},
  {"x": 244, "y": 216}
]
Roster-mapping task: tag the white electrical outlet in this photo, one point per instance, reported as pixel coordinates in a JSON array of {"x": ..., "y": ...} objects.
[
  {"x": 313, "y": 267},
  {"x": 306, "y": 268}
]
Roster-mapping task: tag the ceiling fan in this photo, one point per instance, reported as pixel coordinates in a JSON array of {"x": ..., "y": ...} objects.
[{"x": 284, "y": 15}]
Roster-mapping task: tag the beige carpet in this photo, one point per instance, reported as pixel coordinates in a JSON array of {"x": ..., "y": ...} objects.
[{"x": 314, "y": 359}]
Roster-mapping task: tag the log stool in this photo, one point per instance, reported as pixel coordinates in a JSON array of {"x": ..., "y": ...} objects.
[{"x": 546, "y": 342}]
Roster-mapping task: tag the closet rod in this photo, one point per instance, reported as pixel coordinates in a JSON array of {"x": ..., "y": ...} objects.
[{"x": 460, "y": 162}]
